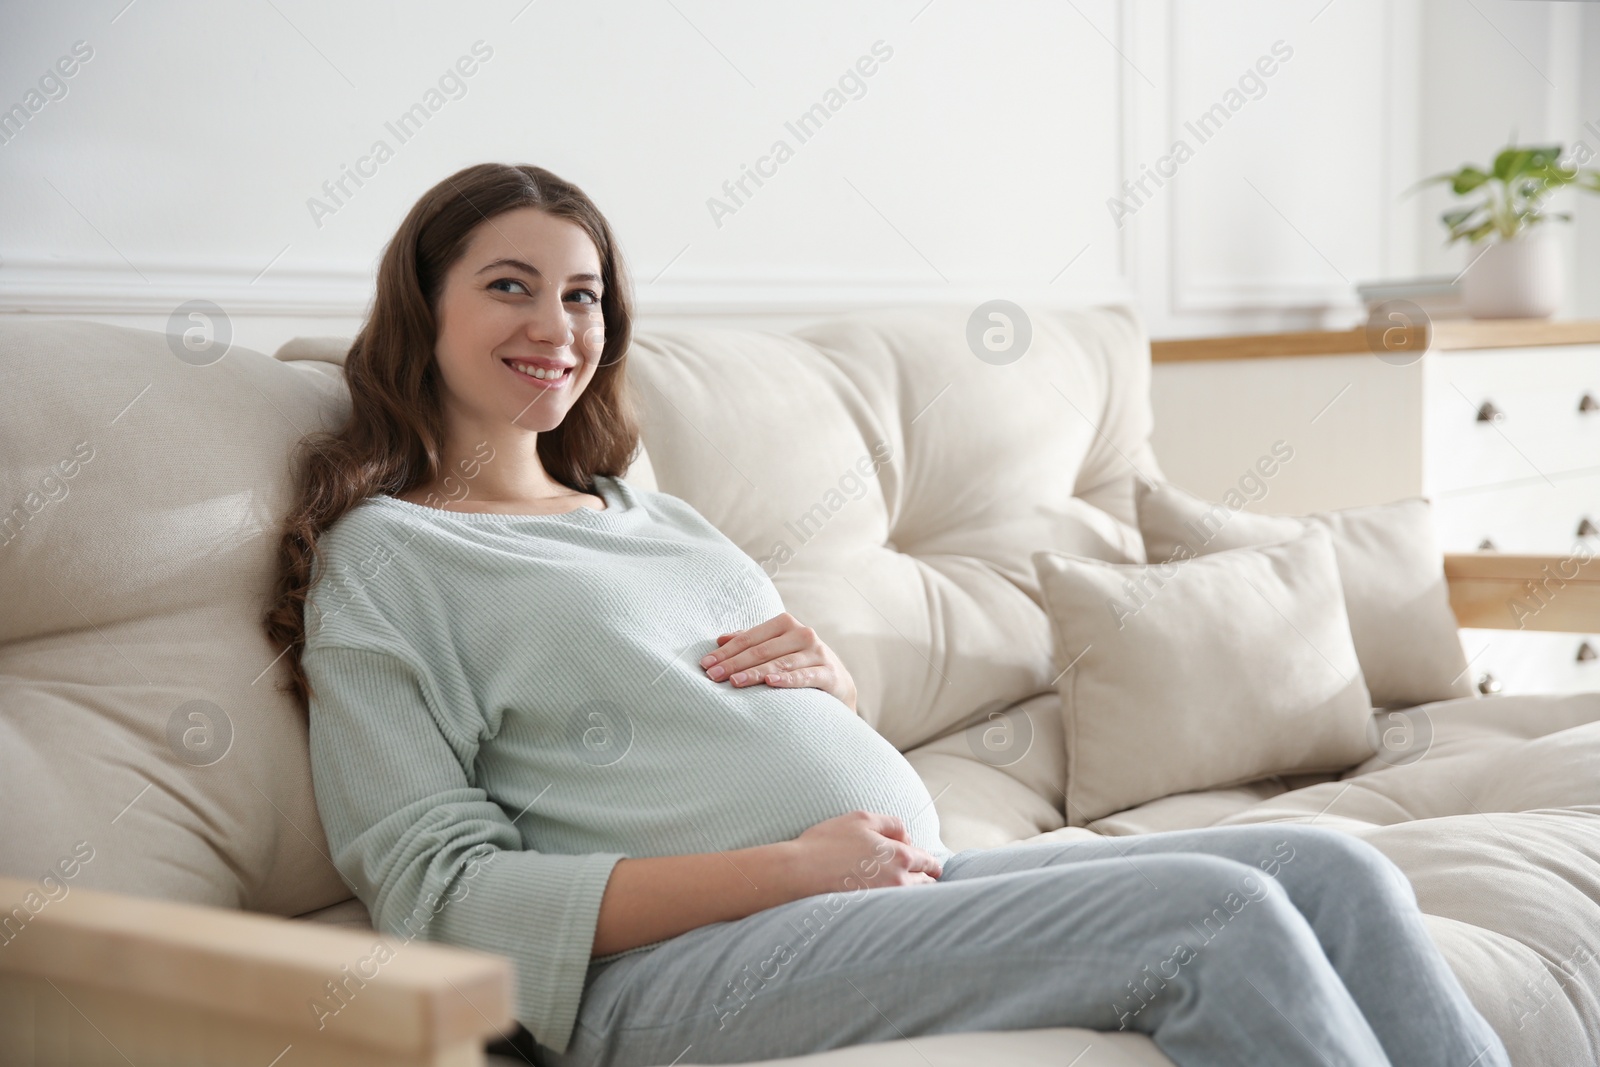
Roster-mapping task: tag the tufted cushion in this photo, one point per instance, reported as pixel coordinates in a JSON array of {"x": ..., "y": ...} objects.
[
  {"x": 895, "y": 486},
  {"x": 1491, "y": 809},
  {"x": 138, "y": 713}
]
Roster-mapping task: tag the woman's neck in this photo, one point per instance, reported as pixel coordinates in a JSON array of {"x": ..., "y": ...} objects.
[{"x": 499, "y": 469}]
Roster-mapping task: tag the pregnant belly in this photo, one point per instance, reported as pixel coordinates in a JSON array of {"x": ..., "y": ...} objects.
[
  {"x": 827, "y": 761},
  {"x": 752, "y": 766}
]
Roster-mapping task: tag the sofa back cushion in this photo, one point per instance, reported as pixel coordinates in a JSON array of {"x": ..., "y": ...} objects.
[
  {"x": 139, "y": 723},
  {"x": 895, "y": 485}
]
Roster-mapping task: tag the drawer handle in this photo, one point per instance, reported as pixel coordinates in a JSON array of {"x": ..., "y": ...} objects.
[
  {"x": 1588, "y": 403},
  {"x": 1489, "y": 413},
  {"x": 1488, "y": 684},
  {"x": 1586, "y": 653},
  {"x": 1487, "y": 545},
  {"x": 1586, "y": 528}
]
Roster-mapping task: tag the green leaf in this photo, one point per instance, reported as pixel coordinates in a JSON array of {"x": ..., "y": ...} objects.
[
  {"x": 1456, "y": 218},
  {"x": 1551, "y": 172},
  {"x": 1543, "y": 155},
  {"x": 1510, "y": 162},
  {"x": 1467, "y": 179}
]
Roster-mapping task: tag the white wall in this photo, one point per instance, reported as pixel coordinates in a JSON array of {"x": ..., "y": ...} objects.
[
  {"x": 1586, "y": 232},
  {"x": 1496, "y": 70},
  {"x": 976, "y": 161}
]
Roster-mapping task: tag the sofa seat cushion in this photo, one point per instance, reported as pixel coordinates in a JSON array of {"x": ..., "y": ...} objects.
[
  {"x": 1493, "y": 812},
  {"x": 1499, "y": 753}
]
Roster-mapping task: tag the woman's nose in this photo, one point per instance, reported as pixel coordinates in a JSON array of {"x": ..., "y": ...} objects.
[{"x": 548, "y": 323}]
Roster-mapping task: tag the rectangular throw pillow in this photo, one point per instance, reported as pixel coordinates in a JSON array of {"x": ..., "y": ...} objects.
[
  {"x": 1202, "y": 673},
  {"x": 1389, "y": 566}
]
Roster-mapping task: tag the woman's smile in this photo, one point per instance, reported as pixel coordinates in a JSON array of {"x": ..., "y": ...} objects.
[{"x": 552, "y": 377}]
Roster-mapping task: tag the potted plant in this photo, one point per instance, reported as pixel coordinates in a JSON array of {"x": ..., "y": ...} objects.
[{"x": 1517, "y": 273}]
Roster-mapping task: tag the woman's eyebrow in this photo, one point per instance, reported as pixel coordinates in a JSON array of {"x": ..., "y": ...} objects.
[{"x": 529, "y": 268}]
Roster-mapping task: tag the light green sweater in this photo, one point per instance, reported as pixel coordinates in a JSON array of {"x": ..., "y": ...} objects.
[{"x": 506, "y": 705}]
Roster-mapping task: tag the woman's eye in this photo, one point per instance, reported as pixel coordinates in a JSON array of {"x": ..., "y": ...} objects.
[
  {"x": 508, "y": 281},
  {"x": 594, "y": 298}
]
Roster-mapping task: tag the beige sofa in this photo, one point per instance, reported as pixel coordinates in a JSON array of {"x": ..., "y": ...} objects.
[{"x": 161, "y": 812}]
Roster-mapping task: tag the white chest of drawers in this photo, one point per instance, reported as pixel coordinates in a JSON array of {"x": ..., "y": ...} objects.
[
  {"x": 1497, "y": 424},
  {"x": 1512, "y": 447}
]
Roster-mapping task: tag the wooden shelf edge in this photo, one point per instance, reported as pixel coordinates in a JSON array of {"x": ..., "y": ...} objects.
[
  {"x": 1455, "y": 334},
  {"x": 1260, "y": 346},
  {"x": 1492, "y": 591},
  {"x": 1444, "y": 335}
]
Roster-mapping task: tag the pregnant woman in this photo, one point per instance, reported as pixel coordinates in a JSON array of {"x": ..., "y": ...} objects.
[{"x": 560, "y": 717}]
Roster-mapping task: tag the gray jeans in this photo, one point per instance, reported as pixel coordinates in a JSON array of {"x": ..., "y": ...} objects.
[{"x": 1267, "y": 945}]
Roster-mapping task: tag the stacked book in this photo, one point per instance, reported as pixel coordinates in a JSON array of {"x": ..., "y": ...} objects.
[{"x": 1439, "y": 296}]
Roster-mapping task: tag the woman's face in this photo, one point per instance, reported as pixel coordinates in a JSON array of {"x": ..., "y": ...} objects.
[{"x": 525, "y": 294}]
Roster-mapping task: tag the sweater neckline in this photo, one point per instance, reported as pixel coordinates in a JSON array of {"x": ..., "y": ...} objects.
[{"x": 614, "y": 491}]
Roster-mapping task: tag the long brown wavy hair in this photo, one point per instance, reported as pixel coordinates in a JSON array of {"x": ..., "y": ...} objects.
[{"x": 391, "y": 441}]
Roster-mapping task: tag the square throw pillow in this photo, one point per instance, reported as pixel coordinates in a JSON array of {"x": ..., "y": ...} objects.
[
  {"x": 1202, "y": 673},
  {"x": 1390, "y": 568}
]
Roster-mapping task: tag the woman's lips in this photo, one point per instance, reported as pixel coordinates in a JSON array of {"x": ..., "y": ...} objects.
[{"x": 548, "y": 383}]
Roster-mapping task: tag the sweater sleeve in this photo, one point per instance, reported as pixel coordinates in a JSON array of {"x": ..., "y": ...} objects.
[{"x": 430, "y": 855}]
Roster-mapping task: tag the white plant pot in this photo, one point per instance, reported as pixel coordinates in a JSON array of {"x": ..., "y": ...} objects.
[{"x": 1517, "y": 279}]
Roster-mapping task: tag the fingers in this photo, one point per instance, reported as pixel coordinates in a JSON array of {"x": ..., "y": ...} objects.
[
  {"x": 919, "y": 862},
  {"x": 783, "y": 644},
  {"x": 889, "y": 826},
  {"x": 743, "y": 639},
  {"x": 818, "y": 677},
  {"x": 801, "y": 664},
  {"x": 787, "y": 651},
  {"x": 791, "y": 664}
]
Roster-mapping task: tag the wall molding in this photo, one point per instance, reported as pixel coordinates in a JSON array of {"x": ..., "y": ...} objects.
[
  {"x": 113, "y": 287},
  {"x": 1156, "y": 125},
  {"x": 1222, "y": 296}
]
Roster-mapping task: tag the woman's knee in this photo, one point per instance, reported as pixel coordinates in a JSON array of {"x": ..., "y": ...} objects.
[
  {"x": 1226, "y": 911},
  {"x": 1334, "y": 857},
  {"x": 1214, "y": 887}
]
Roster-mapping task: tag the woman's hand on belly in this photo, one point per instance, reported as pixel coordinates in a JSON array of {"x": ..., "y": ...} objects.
[
  {"x": 857, "y": 850},
  {"x": 781, "y": 653}
]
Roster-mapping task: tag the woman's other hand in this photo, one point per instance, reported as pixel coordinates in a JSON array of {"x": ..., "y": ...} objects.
[
  {"x": 781, "y": 653},
  {"x": 856, "y": 850}
]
